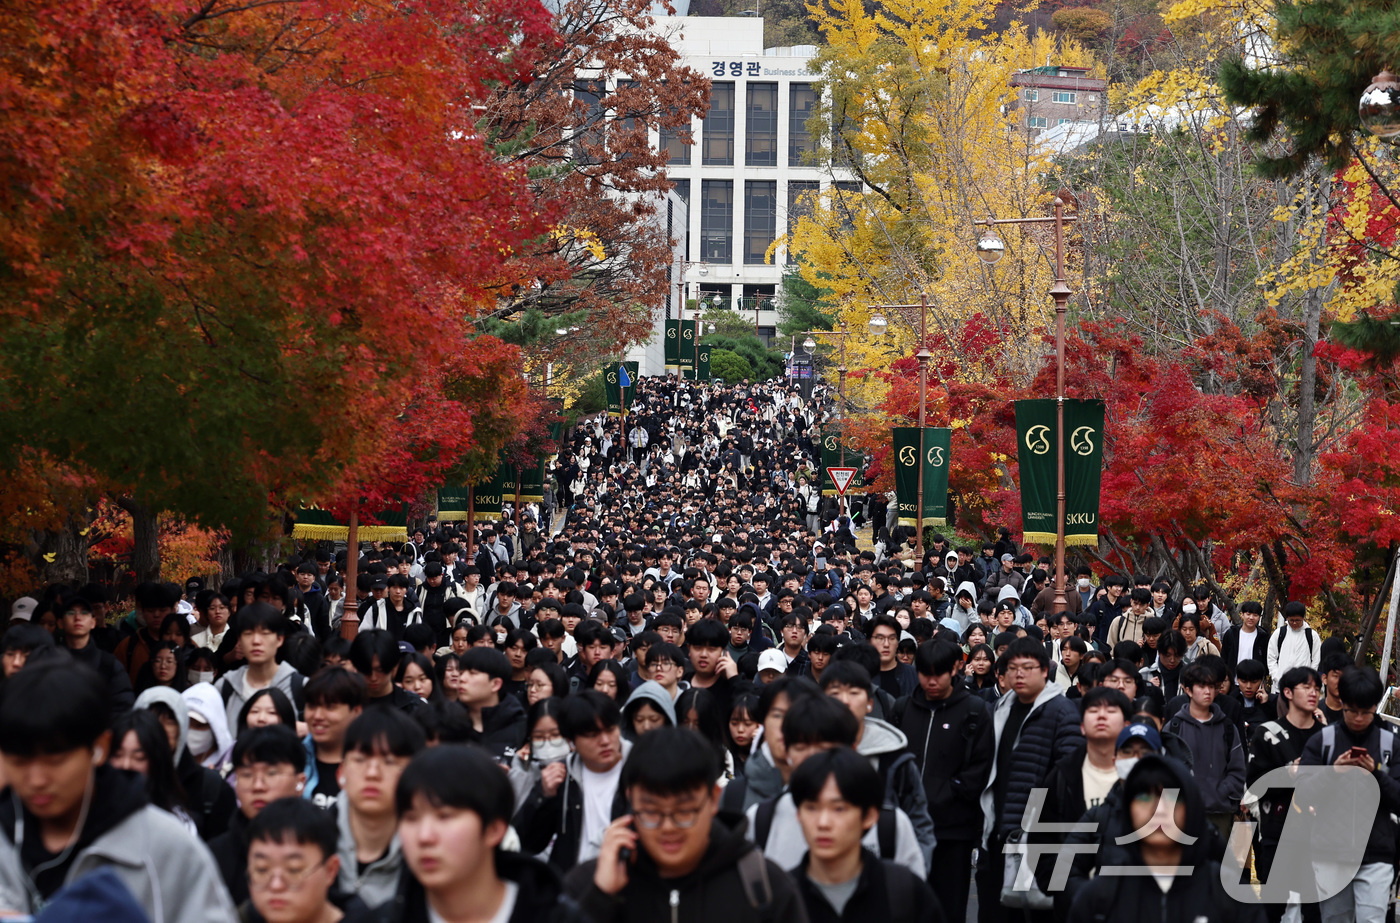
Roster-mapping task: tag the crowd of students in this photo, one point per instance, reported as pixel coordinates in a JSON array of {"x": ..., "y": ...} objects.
[{"x": 684, "y": 694}]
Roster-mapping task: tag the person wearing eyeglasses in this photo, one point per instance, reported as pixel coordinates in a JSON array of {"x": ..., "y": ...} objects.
[
  {"x": 673, "y": 856},
  {"x": 268, "y": 763},
  {"x": 292, "y": 868}
]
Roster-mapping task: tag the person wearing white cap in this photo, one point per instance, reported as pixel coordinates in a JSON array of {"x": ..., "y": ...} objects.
[
  {"x": 22, "y": 609},
  {"x": 771, "y": 665}
]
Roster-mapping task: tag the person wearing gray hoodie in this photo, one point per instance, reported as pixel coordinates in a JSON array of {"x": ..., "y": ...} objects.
[
  {"x": 653, "y": 694},
  {"x": 261, "y": 631},
  {"x": 887, "y": 747},
  {"x": 59, "y": 710}
]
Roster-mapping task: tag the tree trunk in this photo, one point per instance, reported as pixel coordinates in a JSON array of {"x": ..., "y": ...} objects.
[
  {"x": 1373, "y": 616},
  {"x": 145, "y": 545},
  {"x": 62, "y": 556},
  {"x": 1304, "y": 445}
]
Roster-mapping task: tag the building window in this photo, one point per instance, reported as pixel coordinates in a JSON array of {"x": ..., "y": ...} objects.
[
  {"x": 846, "y": 202},
  {"x": 761, "y": 132},
  {"x": 760, "y": 219},
  {"x": 1036, "y": 121},
  {"x": 1062, "y": 121},
  {"x": 717, "y": 220},
  {"x": 801, "y": 199},
  {"x": 1032, "y": 95},
  {"x": 802, "y": 99},
  {"x": 676, "y": 142},
  {"x": 590, "y": 136},
  {"x": 1064, "y": 96},
  {"x": 717, "y": 137}
]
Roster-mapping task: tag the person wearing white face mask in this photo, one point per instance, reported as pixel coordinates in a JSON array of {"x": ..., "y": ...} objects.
[{"x": 1084, "y": 586}]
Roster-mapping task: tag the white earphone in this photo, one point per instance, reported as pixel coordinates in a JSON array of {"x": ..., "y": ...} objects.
[{"x": 97, "y": 756}]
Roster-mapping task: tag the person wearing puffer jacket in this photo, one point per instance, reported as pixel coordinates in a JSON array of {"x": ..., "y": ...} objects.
[
  {"x": 1035, "y": 727},
  {"x": 211, "y": 800}
]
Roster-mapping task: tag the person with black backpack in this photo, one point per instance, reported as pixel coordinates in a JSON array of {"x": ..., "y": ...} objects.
[
  {"x": 1273, "y": 745},
  {"x": 839, "y": 796},
  {"x": 674, "y": 856},
  {"x": 1361, "y": 740},
  {"x": 1293, "y": 644},
  {"x": 886, "y": 747},
  {"x": 813, "y": 724},
  {"x": 1217, "y": 751},
  {"x": 951, "y": 737}
]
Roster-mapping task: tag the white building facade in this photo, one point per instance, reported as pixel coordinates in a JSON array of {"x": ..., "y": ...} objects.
[{"x": 749, "y": 166}]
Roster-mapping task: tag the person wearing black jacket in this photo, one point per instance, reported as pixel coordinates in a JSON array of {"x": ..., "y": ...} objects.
[
  {"x": 1360, "y": 740},
  {"x": 1197, "y": 895},
  {"x": 77, "y": 623},
  {"x": 1275, "y": 744},
  {"x": 498, "y": 720},
  {"x": 950, "y": 734},
  {"x": 1250, "y": 613},
  {"x": 269, "y": 764},
  {"x": 839, "y": 795},
  {"x": 454, "y": 807},
  {"x": 686, "y": 861},
  {"x": 1035, "y": 726}
]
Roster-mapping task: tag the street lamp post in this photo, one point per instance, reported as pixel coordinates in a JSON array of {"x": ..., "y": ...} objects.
[
  {"x": 878, "y": 325},
  {"x": 990, "y": 249}
]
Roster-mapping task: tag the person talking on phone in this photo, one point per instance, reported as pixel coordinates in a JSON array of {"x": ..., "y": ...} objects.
[
  {"x": 575, "y": 799},
  {"x": 674, "y": 856}
]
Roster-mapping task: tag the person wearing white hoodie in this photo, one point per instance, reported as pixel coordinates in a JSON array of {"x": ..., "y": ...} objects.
[
  {"x": 964, "y": 608},
  {"x": 211, "y": 801},
  {"x": 1293, "y": 644}
]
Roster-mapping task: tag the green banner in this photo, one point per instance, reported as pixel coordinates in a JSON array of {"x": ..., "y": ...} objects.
[
  {"x": 835, "y": 454},
  {"x": 1036, "y": 457},
  {"x": 531, "y": 480},
  {"x": 688, "y": 351},
  {"x": 936, "y": 452},
  {"x": 484, "y": 499},
  {"x": 618, "y": 397},
  {"x": 320, "y": 525},
  {"x": 673, "y": 345},
  {"x": 702, "y": 357}
]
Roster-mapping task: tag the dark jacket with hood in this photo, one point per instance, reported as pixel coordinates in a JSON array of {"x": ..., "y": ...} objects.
[
  {"x": 560, "y": 818},
  {"x": 1194, "y": 898},
  {"x": 886, "y": 892},
  {"x": 120, "y": 695},
  {"x": 714, "y": 891},
  {"x": 953, "y": 742},
  {"x": 539, "y": 900},
  {"x": 1049, "y": 733},
  {"x": 1217, "y": 757},
  {"x": 503, "y": 727}
]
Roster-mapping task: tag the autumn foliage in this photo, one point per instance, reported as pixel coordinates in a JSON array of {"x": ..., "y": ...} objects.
[{"x": 242, "y": 245}]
